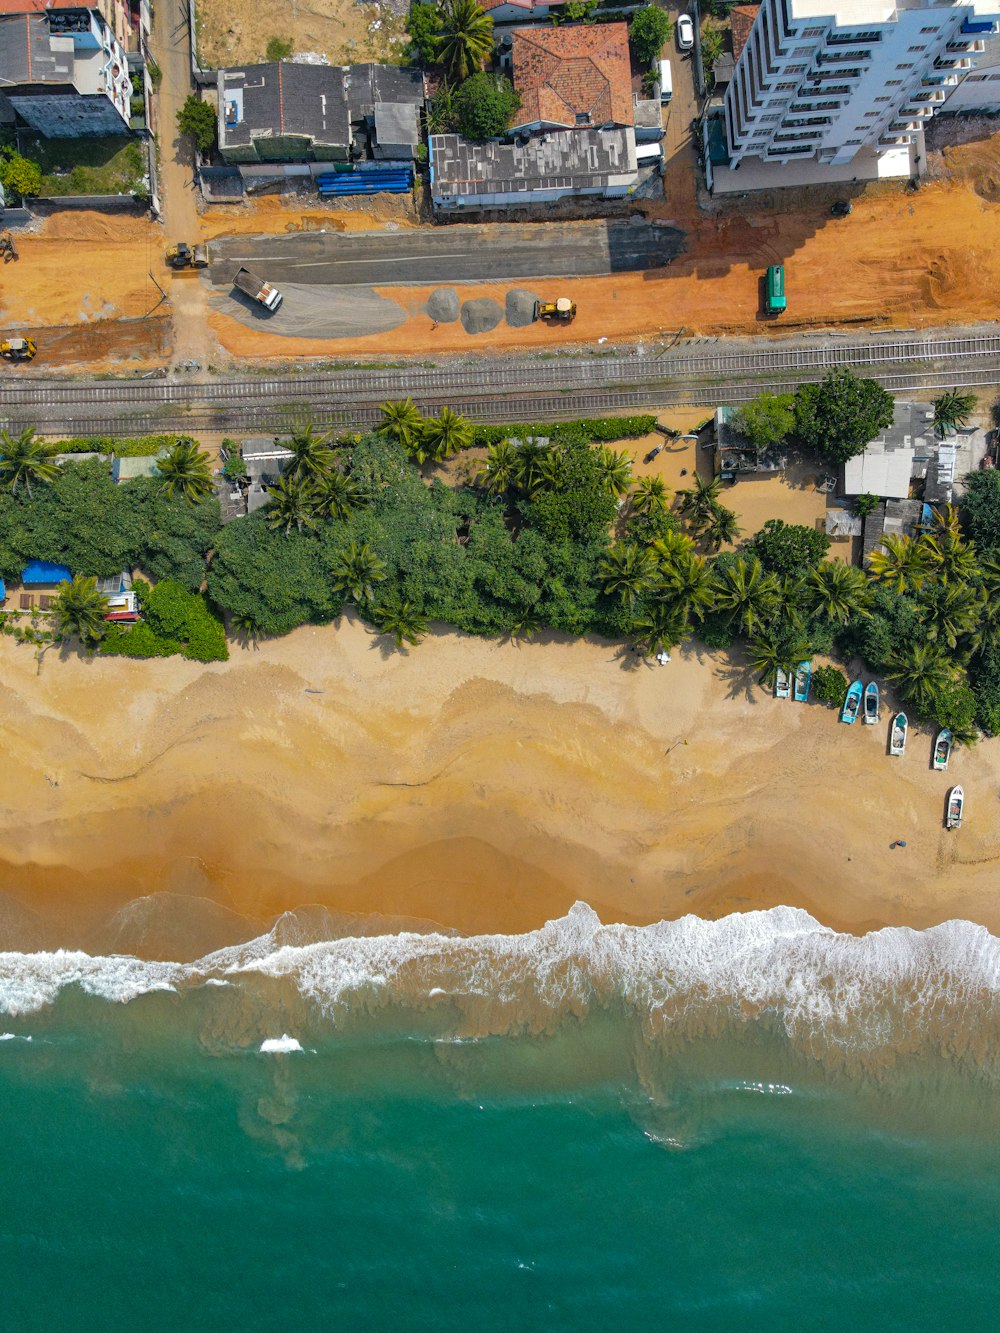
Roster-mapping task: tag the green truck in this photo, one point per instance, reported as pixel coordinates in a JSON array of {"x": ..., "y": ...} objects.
[{"x": 775, "y": 288}]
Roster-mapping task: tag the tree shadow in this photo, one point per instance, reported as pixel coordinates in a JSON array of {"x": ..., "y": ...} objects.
[{"x": 740, "y": 679}]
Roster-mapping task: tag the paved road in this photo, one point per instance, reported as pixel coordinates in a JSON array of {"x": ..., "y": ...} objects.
[{"x": 449, "y": 254}]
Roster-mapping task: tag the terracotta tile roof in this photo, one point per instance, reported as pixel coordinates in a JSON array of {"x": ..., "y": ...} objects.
[
  {"x": 741, "y": 18},
  {"x": 573, "y": 76}
]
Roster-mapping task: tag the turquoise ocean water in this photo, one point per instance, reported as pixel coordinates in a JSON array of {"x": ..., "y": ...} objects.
[{"x": 754, "y": 1123}]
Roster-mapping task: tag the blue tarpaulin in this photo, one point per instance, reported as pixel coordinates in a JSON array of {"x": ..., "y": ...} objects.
[
  {"x": 44, "y": 571},
  {"x": 3, "y": 590}
]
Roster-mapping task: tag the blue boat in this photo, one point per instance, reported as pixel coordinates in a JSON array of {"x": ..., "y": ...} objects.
[
  {"x": 852, "y": 704},
  {"x": 803, "y": 679}
]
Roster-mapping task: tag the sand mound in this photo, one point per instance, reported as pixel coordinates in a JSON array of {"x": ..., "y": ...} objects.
[
  {"x": 443, "y": 305},
  {"x": 520, "y": 308},
  {"x": 481, "y": 316}
]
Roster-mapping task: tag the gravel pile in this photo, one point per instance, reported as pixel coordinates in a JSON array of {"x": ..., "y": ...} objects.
[
  {"x": 520, "y": 308},
  {"x": 442, "y": 305},
  {"x": 481, "y": 316}
]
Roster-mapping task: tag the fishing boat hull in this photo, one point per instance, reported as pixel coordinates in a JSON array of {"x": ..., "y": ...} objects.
[
  {"x": 942, "y": 750},
  {"x": 871, "y": 704},
  {"x": 782, "y": 685},
  {"x": 852, "y": 704},
  {"x": 897, "y": 737},
  {"x": 956, "y": 808},
  {"x": 803, "y": 679}
]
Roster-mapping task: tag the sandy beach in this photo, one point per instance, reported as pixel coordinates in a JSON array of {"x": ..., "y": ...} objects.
[{"x": 166, "y": 808}]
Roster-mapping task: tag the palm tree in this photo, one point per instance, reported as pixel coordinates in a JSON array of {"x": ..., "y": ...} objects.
[
  {"x": 500, "y": 471},
  {"x": 247, "y": 626},
  {"x": 292, "y": 504},
  {"x": 527, "y": 621},
  {"x": 403, "y": 620},
  {"x": 699, "y": 503},
  {"x": 616, "y": 469},
  {"x": 25, "y": 458},
  {"x": 952, "y": 611},
  {"x": 312, "y": 458},
  {"x": 836, "y": 591},
  {"x": 466, "y": 38},
  {"x": 775, "y": 650},
  {"x": 951, "y": 557},
  {"x": 952, "y": 410},
  {"x": 686, "y": 581},
  {"x": 532, "y": 471},
  {"x": 661, "y": 627},
  {"x": 946, "y": 518},
  {"x": 357, "y": 571},
  {"x": 80, "y": 609},
  {"x": 186, "y": 470},
  {"x": 748, "y": 593},
  {"x": 443, "y": 436},
  {"x": 921, "y": 671},
  {"x": 671, "y": 544},
  {"x": 402, "y": 422},
  {"x": 628, "y": 571},
  {"x": 650, "y": 496},
  {"x": 901, "y": 564},
  {"x": 337, "y": 495},
  {"x": 721, "y": 528}
]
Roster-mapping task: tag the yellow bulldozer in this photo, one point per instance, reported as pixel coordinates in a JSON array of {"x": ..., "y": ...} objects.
[
  {"x": 561, "y": 309},
  {"x": 18, "y": 349}
]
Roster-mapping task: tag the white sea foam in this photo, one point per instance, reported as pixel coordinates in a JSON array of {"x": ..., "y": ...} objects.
[
  {"x": 894, "y": 988},
  {"x": 282, "y": 1045},
  {"x": 12, "y": 1036}
]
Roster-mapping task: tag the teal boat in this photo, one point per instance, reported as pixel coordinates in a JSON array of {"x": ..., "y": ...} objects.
[
  {"x": 897, "y": 736},
  {"x": 803, "y": 679},
  {"x": 871, "y": 703},
  {"x": 852, "y": 704},
  {"x": 782, "y": 685}
]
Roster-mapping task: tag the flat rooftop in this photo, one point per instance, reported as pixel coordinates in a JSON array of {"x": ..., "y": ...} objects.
[{"x": 562, "y": 159}]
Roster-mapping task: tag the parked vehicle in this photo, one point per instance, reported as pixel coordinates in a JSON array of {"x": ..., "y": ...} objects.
[
  {"x": 897, "y": 736},
  {"x": 871, "y": 703},
  {"x": 563, "y": 308},
  {"x": 257, "y": 289},
  {"x": 842, "y": 208},
  {"x": 956, "y": 808},
  {"x": 942, "y": 750},
  {"x": 852, "y": 704},
  {"x": 666, "y": 82},
  {"x": 685, "y": 33},
  {"x": 775, "y": 287}
]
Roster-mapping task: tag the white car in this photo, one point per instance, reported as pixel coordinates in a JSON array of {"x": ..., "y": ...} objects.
[{"x": 685, "y": 33}]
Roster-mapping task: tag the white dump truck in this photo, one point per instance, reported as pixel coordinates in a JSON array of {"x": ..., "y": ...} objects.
[{"x": 263, "y": 292}]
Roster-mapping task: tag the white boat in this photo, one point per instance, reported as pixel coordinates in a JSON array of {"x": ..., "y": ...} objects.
[
  {"x": 956, "y": 805},
  {"x": 782, "y": 684},
  {"x": 897, "y": 736},
  {"x": 942, "y": 750},
  {"x": 871, "y": 703}
]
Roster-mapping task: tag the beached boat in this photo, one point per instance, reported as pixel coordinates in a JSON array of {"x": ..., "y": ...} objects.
[
  {"x": 897, "y": 736},
  {"x": 852, "y": 704},
  {"x": 942, "y": 749},
  {"x": 956, "y": 804},
  {"x": 871, "y": 703},
  {"x": 803, "y": 677},
  {"x": 782, "y": 685}
]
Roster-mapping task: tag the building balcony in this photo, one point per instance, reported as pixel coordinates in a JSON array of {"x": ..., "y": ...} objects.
[
  {"x": 969, "y": 48},
  {"x": 956, "y": 63}
]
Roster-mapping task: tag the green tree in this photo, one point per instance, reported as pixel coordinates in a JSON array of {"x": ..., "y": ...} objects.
[
  {"x": 981, "y": 510},
  {"x": 422, "y": 25},
  {"x": 484, "y": 105},
  {"x": 788, "y": 548},
  {"x": 79, "y": 610},
  {"x": 829, "y": 686},
  {"x": 616, "y": 469},
  {"x": 699, "y": 502},
  {"x": 836, "y": 592},
  {"x": 292, "y": 504},
  {"x": 748, "y": 592},
  {"x": 501, "y": 469},
  {"x": 953, "y": 410},
  {"x": 197, "y": 118},
  {"x": 650, "y": 496},
  {"x": 402, "y": 620},
  {"x": 627, "y": 571},
  {"x": 19, "y": 175},
  {"x": 951, "y": 559},
  {"x": 686, "y": 580},
  {"x": 766, "y": 420},
  {"x": 712, "y": 42},
  {"x": 532, "y": 456},
  {"x": 900, "y": 563},
  {"x": 866, "y": 504},
  {"x": 337, "y": 495},
  {"x": 402, "y": 421},
  {"x": 443, "y": 436},
  {"x": 921, "y": 672},
  {"x": 839, "y": 416},
  {"x": 650, "y": 29},
  {"x": 357, "y": 572},
  {"x": 721, "y": 528},
  {"x": 952, "y": 612},
  {"x": 25, "y": 459},
  {"x": 186, "y": 471},
  {"x": 571, "y": 500},
  {"x": 279, "y": 48},
  {"x": 659, "y": 628},
  {"x": 466, "y": 38},
  {"x": 777, "y": 649},
  {"x": 312, "y": 458}
]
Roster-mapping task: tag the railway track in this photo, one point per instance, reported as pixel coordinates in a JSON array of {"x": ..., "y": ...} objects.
[{"x": 492, "y": 389}]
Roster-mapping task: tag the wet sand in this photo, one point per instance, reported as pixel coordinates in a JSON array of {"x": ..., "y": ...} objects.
[{"x": 166, "y": 808}]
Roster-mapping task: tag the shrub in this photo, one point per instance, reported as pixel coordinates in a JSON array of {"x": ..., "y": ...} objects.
[
  {"x": 788, "y": 548},
  {"x": 279, "y": 48},
  {"x": 18, "y": 174},
  {"x": 829, "y": 686},
  {"x": 589, "y": 430},
  {"x": 137, "y": 641},
  {"x": 423, "y": 24},
  {"x": 981, "y": 510},
  {"x": 139, "y": 446}
]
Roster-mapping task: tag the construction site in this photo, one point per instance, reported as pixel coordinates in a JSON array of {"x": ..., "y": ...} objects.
[{"x": 95, "y": 293}]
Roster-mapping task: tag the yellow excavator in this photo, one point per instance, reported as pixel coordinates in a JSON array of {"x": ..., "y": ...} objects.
[
  {"x": 183, "y": 255},
  {"x": 563, "y": 309},
  {"x": 18, "y": 349}
]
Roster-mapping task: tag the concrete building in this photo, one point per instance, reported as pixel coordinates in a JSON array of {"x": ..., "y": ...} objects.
[
  {"x": 834, "y": 82},
  {"x": 64, "y": 72},
  {"x": 979, "y": 91},
  {"x": 518, "y": 11},
  {"x": 384, "y": 101},
  {"x": 532, "y": 170}
]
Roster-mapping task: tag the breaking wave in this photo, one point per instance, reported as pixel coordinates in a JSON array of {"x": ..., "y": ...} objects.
[{"x": 893, "y": 991}]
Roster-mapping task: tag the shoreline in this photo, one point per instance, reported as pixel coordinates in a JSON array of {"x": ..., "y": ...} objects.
[{"x": 470, "y": 785}]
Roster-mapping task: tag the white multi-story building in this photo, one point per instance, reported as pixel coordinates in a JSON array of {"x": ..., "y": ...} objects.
[{"x": 820, "y": 79}]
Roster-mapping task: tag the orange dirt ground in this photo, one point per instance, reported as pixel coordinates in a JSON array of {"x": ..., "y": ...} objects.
[{"x": 905, "y": 259}]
